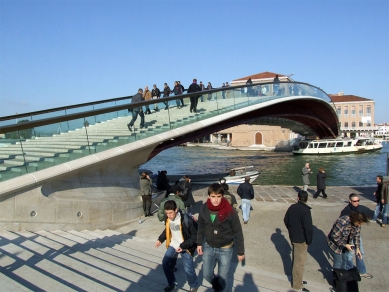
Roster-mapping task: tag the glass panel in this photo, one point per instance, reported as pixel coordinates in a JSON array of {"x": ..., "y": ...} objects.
[
  {"x": 11, "y": 155},
  {"x": 339, "y": 144},
  {"x": 53, "y": 144}
]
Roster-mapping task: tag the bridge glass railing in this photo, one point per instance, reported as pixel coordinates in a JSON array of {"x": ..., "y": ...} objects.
[{"x": 65, "y": 134}]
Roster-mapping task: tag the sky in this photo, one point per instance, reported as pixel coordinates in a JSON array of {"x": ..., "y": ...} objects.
[{"x": 62, "y": 52}]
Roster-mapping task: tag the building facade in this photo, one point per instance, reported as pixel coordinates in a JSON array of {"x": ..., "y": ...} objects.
[
  {"x": 256, "y": 136},
  {"x": 356, "y": 114},
  {"x": 382, "y": 131}
]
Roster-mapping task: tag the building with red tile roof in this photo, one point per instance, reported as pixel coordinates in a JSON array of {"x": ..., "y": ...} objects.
[{"x": 355, "y": 113}]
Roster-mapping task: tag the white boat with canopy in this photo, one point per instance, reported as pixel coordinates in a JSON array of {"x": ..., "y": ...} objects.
[{"x": 337, "y": 146}]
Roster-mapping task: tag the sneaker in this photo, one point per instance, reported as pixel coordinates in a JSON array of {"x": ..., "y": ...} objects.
[
  {"x": 366, "y": 275},
  {"x": 383, "y": 225},
  {"x": 303, "y": 289},
  {"x": 170, "y": 288},
  {"x": 372, "y": 221},
  {"x": 129, "y": 128},
  {"x": 193, "y": 290},
  {"x": 379, "y": 220}
]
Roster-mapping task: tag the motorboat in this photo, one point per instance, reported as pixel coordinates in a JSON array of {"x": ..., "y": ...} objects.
[
  {"x": 234, "y": 176},
  {"x": 337, "y": 146}
]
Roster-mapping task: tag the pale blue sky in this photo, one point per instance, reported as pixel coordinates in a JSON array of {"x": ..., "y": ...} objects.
[{"x": 58, "y": 53}]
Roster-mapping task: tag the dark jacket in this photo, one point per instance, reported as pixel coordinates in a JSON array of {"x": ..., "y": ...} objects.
[
  {"x": 177, "y": 90},
  {"x": 162, "y": 181},
  {"x": 166, "y": 91},
  {"x": 156, "y": 92},
  {"x": 189, "y": 233},
  {"x": 298, "y": 221},
  {"x": 385, "y": 192},
  {"x": 321, "y": 180},
  {"x": 246, "y": 191},
  {"x": 187, "y": 195},
  {"x": 378, "y": 193},
  {"x": 136, "y": 98},
  {"x": 182, "y": 88},
  {"x": 194, "y": 87},
  {"x": 348, "y": 209},
  {"x": 227, "y": 231}
]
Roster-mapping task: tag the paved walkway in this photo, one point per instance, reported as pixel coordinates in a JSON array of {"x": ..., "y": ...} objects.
[
  {"x": 126, "y": 260},
  {"x": 266, "y": 238}
]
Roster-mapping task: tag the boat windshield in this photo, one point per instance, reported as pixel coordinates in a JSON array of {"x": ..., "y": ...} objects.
[{"x": 303, "y": 145}]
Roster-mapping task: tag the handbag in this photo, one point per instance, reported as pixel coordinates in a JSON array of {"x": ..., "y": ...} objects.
[{"x": 346, "y": 280}]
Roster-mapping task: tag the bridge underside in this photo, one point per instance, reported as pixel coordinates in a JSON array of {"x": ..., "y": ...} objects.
[{"x": 307, "y": 117}]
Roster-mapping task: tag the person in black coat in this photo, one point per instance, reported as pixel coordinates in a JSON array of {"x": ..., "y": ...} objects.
[
  {"x": 187, "y": 195},
  {"x": 298, "y": 221},
  {"x": 194, "y": 87},
  {"x": 321, "y": 183}
]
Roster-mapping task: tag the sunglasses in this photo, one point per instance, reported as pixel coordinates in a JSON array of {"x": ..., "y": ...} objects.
[{"x": 355, "y": 201}]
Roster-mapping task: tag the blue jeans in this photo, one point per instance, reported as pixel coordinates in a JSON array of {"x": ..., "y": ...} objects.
[
  {"x": 135, "y": 113},
  {"x": 360, "y": 262},
  {"x": 169, "y": 262},
  {"x": 246, "y": 205},
  {"x": 385, "y": 212},
  {"x": 377, "y": 211},
  {"x": 340, "y": 259},
  {"x": 221, "y": 256}
]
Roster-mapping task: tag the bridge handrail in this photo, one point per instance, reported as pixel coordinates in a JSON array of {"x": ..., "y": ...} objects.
[{"x": 66, "y": 117}]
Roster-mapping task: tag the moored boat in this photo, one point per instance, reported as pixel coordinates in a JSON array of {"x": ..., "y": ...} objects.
[
  {"x": 234, "y": 176},
  {"x": 337, "y": 146}
]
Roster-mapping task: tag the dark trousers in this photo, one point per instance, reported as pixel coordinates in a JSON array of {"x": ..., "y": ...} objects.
[
  {"x": 193, "y": 103},
  {"x": 320, "y": 191},
  {"x": 135, "y": 113}
]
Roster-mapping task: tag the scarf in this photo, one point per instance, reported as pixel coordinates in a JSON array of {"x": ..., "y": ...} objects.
[{"x": 223, "y": 210}]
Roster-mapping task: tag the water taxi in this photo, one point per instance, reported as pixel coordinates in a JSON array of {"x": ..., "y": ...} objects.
[{"x": 337, "y": 146}]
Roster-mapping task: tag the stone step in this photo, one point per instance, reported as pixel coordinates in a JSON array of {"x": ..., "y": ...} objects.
[{"x": 94, "y": 274}]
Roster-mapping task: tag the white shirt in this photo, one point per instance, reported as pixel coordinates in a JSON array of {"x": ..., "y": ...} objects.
[{"x": 175, "y": 229}]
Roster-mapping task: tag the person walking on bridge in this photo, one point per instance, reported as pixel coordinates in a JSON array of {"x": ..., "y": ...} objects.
[
  {"x": 166, "y": 93},
  {"x": 156, "y": 93},
  {"x": 137, "y": 110},
  {"x": 194, "y": 87},
  {"x": 147, "y": 96}
]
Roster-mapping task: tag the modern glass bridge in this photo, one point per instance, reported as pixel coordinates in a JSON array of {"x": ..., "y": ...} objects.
[{"x": 38, "y": 140}]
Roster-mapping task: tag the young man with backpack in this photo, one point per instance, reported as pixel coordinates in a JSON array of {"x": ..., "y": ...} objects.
[{"x": 181, "y": 238}]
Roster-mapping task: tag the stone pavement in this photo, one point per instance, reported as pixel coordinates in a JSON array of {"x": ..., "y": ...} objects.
[
  {"x": 126, "y": 260},
  {"x": 267, "y": 242}
]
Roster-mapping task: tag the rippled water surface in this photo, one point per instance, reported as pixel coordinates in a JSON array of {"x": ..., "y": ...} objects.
[{"x": 277, "y": 168}]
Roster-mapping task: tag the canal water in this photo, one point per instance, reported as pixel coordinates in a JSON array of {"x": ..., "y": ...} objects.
[{"x": 277, "y": 168}]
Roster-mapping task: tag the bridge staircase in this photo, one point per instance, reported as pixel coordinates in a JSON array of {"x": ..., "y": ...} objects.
[{"x": 107, "y": 260}]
